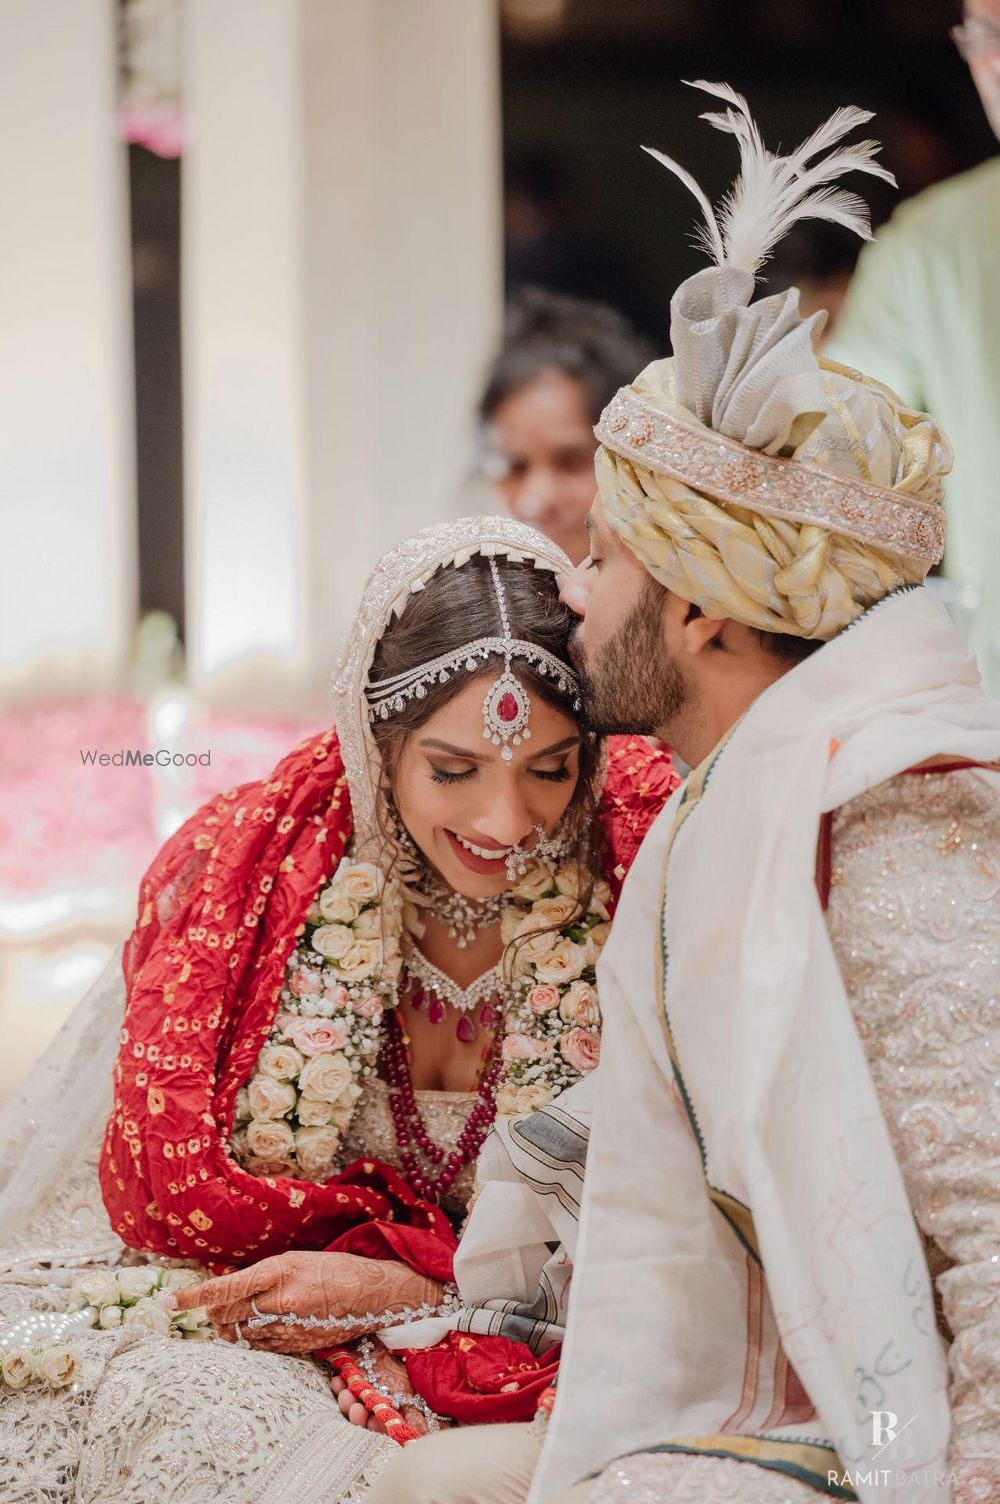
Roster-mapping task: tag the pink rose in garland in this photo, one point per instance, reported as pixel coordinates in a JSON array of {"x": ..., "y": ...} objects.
[
  {"x": 316, "y": 1036},
  {"x": 304, "y": 984},
  {"x": 581, "y": 1048},
  {"x": 523, "y": 1047},
  {"x": 543, "y": 999}
]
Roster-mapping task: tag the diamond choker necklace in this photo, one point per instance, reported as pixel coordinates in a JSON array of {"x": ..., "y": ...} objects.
[{"x": 465, "y": 917}]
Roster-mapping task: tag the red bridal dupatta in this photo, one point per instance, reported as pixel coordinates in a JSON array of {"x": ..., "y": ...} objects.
[{"x": 220, "y": 909}]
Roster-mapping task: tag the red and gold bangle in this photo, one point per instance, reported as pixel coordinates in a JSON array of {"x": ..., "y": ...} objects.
[{"x": 395, "y": 1426}]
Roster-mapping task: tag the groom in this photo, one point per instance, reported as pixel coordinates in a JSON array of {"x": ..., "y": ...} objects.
[{"x": 785, "y": 1278}]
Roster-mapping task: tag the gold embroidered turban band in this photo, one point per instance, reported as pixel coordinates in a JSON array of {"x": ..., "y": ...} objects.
[{"x": 749, "y": 475}]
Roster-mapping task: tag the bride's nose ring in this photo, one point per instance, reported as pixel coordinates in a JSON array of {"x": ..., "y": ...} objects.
[{"x": 546, "y": 849}]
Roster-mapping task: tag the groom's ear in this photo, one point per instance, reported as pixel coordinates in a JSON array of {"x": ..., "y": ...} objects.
[{"x": 693, "y": 630}]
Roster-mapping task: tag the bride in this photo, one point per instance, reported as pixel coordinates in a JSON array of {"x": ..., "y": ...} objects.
[{"x": 338, "y": 977}]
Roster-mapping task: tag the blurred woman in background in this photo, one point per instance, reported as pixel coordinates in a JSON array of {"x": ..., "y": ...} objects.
[{"x": 561, "y": 361}]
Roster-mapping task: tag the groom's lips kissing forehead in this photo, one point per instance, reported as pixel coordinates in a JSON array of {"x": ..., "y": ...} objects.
[{"x": 472, "y": 859}]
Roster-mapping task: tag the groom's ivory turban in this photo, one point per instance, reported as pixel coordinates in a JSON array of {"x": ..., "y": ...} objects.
[{"x": 761, "y": 482}]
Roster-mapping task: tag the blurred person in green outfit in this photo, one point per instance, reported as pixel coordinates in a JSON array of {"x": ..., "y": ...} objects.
[{"x": 923, "y": 315}]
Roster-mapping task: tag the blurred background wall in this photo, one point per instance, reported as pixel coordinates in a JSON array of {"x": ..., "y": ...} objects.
[{"x": 252, "y": 268}]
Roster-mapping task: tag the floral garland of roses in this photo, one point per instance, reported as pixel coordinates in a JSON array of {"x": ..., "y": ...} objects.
[
  {"x": 552, "y": 1026},
  {"x": 104, "y": 1299},
  {"x": 141, "y": 1295},
  {"x": 291, "y": 1116}
]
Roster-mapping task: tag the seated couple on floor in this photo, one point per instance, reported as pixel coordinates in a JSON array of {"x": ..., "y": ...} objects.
[{"x": 341, "y": 977}]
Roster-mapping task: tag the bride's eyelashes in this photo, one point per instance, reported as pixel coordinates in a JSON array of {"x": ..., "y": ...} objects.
[
  {"x": 439, "y": 775},
  {"x": 552, "y": 775}
]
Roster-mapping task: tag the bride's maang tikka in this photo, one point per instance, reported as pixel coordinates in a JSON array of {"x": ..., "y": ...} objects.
[{"x": 507, "y": 704}]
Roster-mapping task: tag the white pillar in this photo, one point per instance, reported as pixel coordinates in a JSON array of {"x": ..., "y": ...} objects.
[
  {"x": 67, "y": 559},
  {"x": 404, "y": 271},
  {"x": 342, "y": 292},
  {"x": 241, "y": 218}
]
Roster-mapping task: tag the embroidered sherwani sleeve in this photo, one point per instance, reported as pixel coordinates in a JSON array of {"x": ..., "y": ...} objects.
[{"x": 915, "y": 920}]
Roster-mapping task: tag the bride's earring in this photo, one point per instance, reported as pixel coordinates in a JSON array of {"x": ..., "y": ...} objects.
[{"x": 406, "y": 859}]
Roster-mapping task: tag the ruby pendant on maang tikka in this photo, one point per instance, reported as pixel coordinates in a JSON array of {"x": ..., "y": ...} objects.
[{"x": 506, "y": 709}]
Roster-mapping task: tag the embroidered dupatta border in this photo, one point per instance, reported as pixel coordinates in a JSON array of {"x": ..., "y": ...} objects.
[{"x": 807, "y": 1461}]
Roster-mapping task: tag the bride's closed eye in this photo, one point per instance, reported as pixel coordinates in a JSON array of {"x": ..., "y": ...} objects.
[
  {"x": 441, "y": 775},
  {"x": 549, "y": 775},
  {"x": 553, "y": 775}
]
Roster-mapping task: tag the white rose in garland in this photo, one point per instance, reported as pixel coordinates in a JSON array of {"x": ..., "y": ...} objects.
[
  {"x": 138, "y": 1295},
  {"x": 150, "y": 1313},
  {"x": 57, "y": 1365},
  {"x": 316, "y": 1150},
  {"x": 326, "y": 1077},
  {"x": 99, "y": 1288},
  {"x": 313, "y": 1112},
  {"x": 563, "y": 963},
  {"x": 282, "y": 1062},
  {"x": 363, "y": 882},
  {"x": 332, "y": 940},
  {"x": 337, "y": 907},
  {"x": 269, "y": 1098},
  {"x": 272, "y": 1141},
  {"x": 368, "y": 925}
]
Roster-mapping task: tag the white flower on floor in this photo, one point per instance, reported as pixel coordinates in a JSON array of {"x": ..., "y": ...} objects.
[
  {"x": 98, "y": 1288},
  {"x": 18, "y": 1368},
  {"x": 148, "y": 1312},
  {"x": 57, "y": 1365},
  {"x": 134, "y": 1283}
]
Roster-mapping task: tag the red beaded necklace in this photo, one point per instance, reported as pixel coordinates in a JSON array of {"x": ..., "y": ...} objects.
[{"x": 412, "y": 1138}]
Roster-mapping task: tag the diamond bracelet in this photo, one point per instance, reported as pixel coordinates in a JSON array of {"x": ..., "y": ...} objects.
[{"x": 450, "y": 1306}]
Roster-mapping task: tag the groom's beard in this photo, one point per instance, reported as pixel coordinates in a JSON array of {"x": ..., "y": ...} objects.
[{"x": 631, "y": 686}]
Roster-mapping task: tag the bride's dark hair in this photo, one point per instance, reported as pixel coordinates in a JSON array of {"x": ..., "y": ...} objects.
[{"x": 456, "y": 606}]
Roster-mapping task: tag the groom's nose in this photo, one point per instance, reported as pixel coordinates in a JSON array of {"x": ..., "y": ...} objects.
[{"x": 574, "y": 589}]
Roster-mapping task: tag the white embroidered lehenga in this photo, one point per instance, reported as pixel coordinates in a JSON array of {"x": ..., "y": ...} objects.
[{"x": 151, "y": 1417}]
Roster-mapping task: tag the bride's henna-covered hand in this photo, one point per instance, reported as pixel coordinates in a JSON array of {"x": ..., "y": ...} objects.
[{"x": 331, "y": 1285}]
